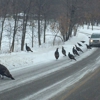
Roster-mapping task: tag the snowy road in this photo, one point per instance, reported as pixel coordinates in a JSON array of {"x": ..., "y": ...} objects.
[{"x": 41, "y": 82}]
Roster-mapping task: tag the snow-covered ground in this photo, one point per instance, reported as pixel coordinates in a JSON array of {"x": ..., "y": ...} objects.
[{"x": 45, "y": 53}]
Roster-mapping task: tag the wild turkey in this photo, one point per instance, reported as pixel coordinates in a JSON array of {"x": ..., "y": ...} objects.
[
  {"x": 28, "y": 48},
  {"x": 56, "y": 54},
  {"x": 71, "y": 56},
  {"x": 79, "y": 44},
  {"x": 75, "y": 51},
  {"x": 5, "y": 72},
  {"x": 63, "y": 51},
  {"x": 88, "y": 46},
  {"x": 83, "y": 41},
  {"x": 78, "y": 49}
]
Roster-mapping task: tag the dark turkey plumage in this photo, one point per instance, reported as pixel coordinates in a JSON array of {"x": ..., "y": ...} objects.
[
  {"x": 28, "y": 48},
  {"x": 71, "y": 56},
  {"x": 5, "y": 72},
  {"x": 88, "y": 46},
  {"x": 63, "y": 51},
  {"x": 83, "y": 41},
  {"x": 75, "y": 51},
  {"x": 78, "y": 49},
  {"x": 79, "y": 44},
  {"x": 56, "y": 54}
]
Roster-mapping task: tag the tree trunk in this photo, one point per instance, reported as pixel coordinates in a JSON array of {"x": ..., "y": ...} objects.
[
  {"x": 39, "y": 36},
  {"x": 44, "y": 40},
  {"x": 72, "y": 13},
  {"x": 13, "y": 41},
  {"x": 2, "y": 31},
  {"x": 32, "y": 35},
  {"x": 14, "y": 34},
  {"x": 25, "y": 19},
  {"x": 23, "y": 33}
]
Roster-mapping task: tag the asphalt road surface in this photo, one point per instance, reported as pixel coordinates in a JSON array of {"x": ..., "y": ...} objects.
[{"x": 86, "y": 89}]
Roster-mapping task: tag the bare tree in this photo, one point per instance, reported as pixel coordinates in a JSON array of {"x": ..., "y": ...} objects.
[
  {"x": 46, "y": 7},
  {"x": 26, "y": 10},
  {"x": 3, "y": 13},
  {"x": 63, "y": 21},
  {"x": 16, "y": 19},
  {"x": 38, "y": 4}
]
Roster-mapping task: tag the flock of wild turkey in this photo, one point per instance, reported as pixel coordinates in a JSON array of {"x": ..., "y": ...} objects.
[
  {"x": 75, "y": 51},
  {"x": 5, "y": 72}
]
